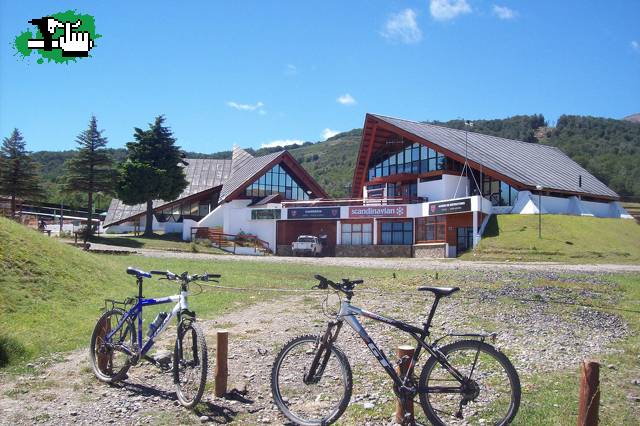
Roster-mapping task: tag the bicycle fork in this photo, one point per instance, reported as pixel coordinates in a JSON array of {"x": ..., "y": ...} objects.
[{"x": 323, "y": 352}]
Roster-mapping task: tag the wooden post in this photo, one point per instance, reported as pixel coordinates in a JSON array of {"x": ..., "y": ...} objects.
[
  {"x": 405, "y": 353},
  {"x": 103, "y": 359},
  {"x": 222, "y": 371},
  {"x": 589, "y": 394}
]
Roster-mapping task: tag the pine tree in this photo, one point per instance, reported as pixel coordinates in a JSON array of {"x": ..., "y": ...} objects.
[
  {"x": 152, "y": 170},
  {"x": 91, "y": 169},
  {"x": 18, "y": 172}
]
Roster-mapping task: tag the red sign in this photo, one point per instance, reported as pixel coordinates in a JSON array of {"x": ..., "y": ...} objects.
[{"x": 378, "y": 211}]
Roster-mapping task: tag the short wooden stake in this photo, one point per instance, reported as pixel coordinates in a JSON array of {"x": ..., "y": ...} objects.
[
  {"x": 103, "y": 358},
  {"x": 589, "y": 394},
  {"x": 405, "y": 353},
  {"x": 222, "y": 370}
]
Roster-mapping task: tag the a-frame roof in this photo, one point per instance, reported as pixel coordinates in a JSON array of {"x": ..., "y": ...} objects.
[
  {"x": 230, "y": 176},
  {"x": 524, "y": 163}
]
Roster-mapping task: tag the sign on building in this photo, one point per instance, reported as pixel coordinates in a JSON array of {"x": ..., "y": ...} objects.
[
  {"x": 259, "y": 214},
  {"x": 454, "y": 206},
  {"x": 314, "y": 213},
  {"x": 378, "y": 211}
]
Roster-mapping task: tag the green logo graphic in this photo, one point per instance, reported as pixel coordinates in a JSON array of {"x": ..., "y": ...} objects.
[{"x": 60, "y": 37}]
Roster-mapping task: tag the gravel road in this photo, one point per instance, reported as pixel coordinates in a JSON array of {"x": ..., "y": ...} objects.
[{"x": 385, "y": 263}]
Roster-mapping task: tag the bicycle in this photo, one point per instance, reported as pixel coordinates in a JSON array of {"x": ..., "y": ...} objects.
[
  {"x": 115, "y": 345},
  {"x": 467, "y": 381}
]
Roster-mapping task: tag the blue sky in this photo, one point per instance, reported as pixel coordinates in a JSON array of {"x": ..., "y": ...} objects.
[{"x": 255, "y": 72}]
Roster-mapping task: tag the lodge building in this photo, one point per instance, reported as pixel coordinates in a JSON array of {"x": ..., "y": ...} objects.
[{"x": 418, "y": 190}]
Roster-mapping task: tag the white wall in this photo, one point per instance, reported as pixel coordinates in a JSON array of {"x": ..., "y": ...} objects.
[
  {"x": 527, "y": 203},
  {"x": 444, "y": 189},
  {"x": 235, "y": 217}
]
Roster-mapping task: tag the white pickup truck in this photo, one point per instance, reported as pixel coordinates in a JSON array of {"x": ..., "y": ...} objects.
[{"x": 306, "y": 245}]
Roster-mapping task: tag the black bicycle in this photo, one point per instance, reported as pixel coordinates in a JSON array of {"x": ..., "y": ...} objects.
[{"x": 465, "y": 382}]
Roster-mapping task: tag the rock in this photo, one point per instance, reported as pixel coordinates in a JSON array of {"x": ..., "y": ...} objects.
[
  {"x": 73, "y": 413},
  {"x": 633, "y": 398},
  {"x": 204, "y": 419},
  {"x": 368, "y": 405},
  {"x": 611, "y": 367}
]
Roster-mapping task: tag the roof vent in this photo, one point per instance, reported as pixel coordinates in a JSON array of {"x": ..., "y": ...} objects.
[{"x": 580, "y": 181}]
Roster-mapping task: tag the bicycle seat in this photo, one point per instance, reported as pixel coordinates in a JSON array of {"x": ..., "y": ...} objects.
[
  {"x": 440, "y": 291},
  {"x": 138, "y": 272}
]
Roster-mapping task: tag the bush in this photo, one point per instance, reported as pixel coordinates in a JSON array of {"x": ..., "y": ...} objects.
[{"x": 11, "y": 351}]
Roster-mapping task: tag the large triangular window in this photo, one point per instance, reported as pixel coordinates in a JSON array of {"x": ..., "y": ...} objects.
[{"x": 277, "y": 181}]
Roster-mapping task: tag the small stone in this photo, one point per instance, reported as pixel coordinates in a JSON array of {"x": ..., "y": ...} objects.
[
  {"x": 633, "y": 398},
  {"x": 204, "y": 419},
  {"x": 73, "y": 413},
  {"x": 611, "y": 367},
  {"x": 368, "y": 405}
]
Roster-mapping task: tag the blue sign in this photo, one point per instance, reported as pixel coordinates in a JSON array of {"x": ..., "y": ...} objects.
[{"x": 314, "y": 213}]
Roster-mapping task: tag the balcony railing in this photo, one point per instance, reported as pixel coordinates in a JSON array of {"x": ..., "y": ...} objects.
[{"x": 321, "y": 202}]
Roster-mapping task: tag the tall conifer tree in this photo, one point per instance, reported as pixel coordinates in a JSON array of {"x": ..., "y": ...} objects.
[
  {"x": 152, "y": 170},
  {"x": 91, "y": 169},
  {"x": 18, "y": 172}
]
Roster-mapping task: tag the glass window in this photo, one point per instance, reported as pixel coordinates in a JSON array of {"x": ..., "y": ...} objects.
[
  {"x": 431, "y": 228},
  {"x": 277, "y": 180},
  {"x": 397, "y": 232},
  {"x": 354, "y": 234}
]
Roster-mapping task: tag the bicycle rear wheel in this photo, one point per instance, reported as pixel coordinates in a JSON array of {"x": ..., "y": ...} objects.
[
  {"x": 190, "y": 363},
  {"x": 320, "y": 402},
  {"x": 109, "y": 360},
  {"x": 489, "y": 395}
]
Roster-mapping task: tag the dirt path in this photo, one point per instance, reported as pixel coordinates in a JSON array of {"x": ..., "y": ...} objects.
[
  {"x": 385, "y": 263},
  {"x": 537, "y": 338}
]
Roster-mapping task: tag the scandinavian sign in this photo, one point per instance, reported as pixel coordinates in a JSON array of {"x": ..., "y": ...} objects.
[
  {"x": 314, "y": 213},
  {"x": 453, "y": 206},
  {"x": 378, "y": 211}
]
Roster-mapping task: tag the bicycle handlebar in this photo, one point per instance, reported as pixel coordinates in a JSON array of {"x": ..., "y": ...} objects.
[
  {"x": 346, "y": 286},
  {"x": 185, "y": 276}
]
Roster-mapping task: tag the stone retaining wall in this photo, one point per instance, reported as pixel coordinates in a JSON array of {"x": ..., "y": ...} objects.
[
  {"x": 432, "y": 251},
  {"x": 374, "y": 251}
]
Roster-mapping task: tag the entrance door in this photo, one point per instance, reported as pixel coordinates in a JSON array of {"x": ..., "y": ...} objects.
[{"x": 465, "y": 239}]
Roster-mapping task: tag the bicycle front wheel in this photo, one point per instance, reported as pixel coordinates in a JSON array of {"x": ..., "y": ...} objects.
[
  {"x": 190, "y": 363},
  {"x": 488, "y": 395},
  {"x": 312, "y": 402}
]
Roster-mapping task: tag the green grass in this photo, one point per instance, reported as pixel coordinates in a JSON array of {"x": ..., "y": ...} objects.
[
  {"x": 568, "y": 239},
  {"x": 169, "y": 242}
]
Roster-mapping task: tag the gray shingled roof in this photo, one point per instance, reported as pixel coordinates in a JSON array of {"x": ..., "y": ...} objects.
[
  {"x": 528, "y": 163},
  {"x": 202, "y": 174},
  {"x": 249, "y": 166}
]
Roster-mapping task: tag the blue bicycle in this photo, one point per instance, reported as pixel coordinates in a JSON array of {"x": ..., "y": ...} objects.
[{"x": 115, "y": 345}]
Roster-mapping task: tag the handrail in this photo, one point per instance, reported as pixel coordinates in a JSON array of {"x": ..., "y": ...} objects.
[{"x": 220, "y": 238}]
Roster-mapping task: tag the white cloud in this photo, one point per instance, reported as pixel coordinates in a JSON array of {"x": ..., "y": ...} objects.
[
  {"x": 248, "y": 107},
  {"x": 444, "y": 10},
  {"x": 281, "y": 142},
  {"x": 504, "y": 13},
  {"x": 328, "y": 133},
  {"x": 402, "y": 27},
  {"x": 290, "y": 69},
  {"x": 346, "y": 99},
  {"x": 635, "y": 45}
]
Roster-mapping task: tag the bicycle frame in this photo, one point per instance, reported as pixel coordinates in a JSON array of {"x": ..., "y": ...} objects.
[
  {"x": 349, "y": 313},
  {"x": 136, "y": 312}
]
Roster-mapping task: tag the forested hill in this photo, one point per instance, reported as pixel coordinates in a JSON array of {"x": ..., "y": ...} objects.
[{"x": 608, "y": 148}]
